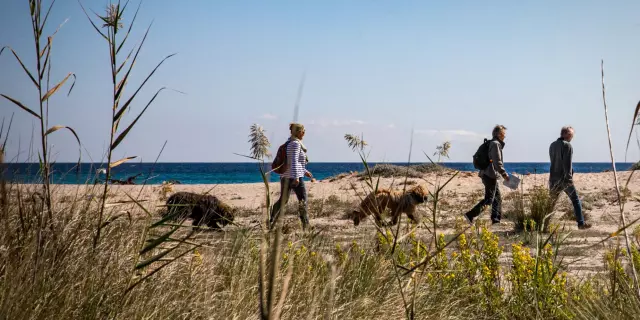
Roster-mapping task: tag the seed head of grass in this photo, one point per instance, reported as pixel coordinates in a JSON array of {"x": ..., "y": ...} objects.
[
  {"x": 355, "y": 142},
  {"x": 259, "y": 142},
  {"x": 443, "y": 150},
  {"x": 112, "y": 17}
]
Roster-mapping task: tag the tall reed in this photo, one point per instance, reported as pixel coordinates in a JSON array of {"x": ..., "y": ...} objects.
[
  {"x": 121, "y": 69},
  {"x": 42, "y": 81}
]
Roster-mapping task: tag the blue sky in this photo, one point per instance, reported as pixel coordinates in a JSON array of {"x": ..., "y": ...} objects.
[{"x": 450, "y": 70}]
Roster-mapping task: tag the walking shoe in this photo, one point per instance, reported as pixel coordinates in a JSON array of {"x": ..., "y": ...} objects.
[
  {"x": 470, "y": 219},
  {"x": 584, "y": 226}
]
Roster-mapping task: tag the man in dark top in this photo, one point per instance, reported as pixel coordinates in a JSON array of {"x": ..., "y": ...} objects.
[
  {"x": 489, "y": 178},
  {"x": 561, "y": 174}
]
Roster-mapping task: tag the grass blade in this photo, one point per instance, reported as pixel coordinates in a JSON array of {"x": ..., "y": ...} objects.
[
  {"x": 125, "y": 61},
  {"x": 4, "y": 144},
  {"x": 169, "y": 216},
  {"x": 19, "y": 104},
  {"x": 137, "y": 202},
  {"x": 46, "y": 16},
  {"x": 21, "y": 64},
  {"x": 93, "y": 24},
  {"x": 633, "y": 123},
  {"x": 126, "y": 76},
  {"x": 46, "y": 60},
  {"x": 56, "y": 128},
  {"x": 121, "y": 161},
  {"x": 54, "y": 89},
  {"x": 158, "y": 241},
  {"x": 124, "y": 133},
  {"x": 126, "y": 105},
  {"x": 126, "y": 36},
  {"x": 160, "y": 268},
  {"x": 162, "y": 254}
]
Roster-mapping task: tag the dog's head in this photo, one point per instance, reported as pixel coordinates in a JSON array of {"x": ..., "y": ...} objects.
[
  {"x": 226, "y": 212},
  {"x": 357, "y": 217},
  {"x": 419, "y": 194}
]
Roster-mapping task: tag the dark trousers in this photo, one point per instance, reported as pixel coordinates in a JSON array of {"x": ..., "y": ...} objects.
[
  {"x": 286, "y": 186},
  {"x": 572, "y": 193},
  {"x": 491, "y": 197}
]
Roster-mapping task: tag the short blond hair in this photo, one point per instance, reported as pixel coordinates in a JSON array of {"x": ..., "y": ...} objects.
[
  {"x": 295, "y": 128},
  {"x": 497, "y": 129}
]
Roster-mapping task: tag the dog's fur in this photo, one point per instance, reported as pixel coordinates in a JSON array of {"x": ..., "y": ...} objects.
[
  {"x": 202, "y": 208},
  {"x": 396, "y": 201}
]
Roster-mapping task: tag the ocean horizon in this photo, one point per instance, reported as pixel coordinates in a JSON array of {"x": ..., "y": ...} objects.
[{"x": 242, "y": 172}]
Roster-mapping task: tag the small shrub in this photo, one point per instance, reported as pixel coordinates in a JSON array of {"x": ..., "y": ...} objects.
[
  {"x": 530, "y": 209},
  {"x": 390, "y": 170}
]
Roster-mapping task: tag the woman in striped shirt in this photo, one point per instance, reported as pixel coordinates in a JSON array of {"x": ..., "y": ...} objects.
[{"x": 293, "y": 178}]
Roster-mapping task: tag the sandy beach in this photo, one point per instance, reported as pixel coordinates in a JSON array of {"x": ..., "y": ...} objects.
[{"x": 330, "y": 200}]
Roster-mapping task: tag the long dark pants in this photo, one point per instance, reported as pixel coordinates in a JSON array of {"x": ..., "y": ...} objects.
[
  {"x": 491, "y": 197},
  {"x": 572, "y": 193},
  {"x": 286, "y": 186}
]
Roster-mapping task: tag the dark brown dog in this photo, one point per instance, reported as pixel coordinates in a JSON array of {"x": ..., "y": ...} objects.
[{"x": 202, "y": 208}]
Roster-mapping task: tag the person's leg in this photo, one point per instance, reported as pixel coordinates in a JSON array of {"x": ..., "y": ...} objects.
[
  {"x": 284, "y": 198},
  {"x": 496, "y": 205},
  {"x": 554, "y": 194},
  {"x": 301, "y": 194},
  {"x": 577, "y": 206},
  {"x": 488, "y": 198}
]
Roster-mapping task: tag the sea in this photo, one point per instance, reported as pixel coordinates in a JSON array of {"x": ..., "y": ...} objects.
[{"x": 231, "y": 173}]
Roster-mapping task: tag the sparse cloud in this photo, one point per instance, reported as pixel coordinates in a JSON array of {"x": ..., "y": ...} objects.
[
  {"x": 340, "y": 123},
  {"x": 337, "y": 123},
  {"x": 451, "y": 134},
  {"x": 391, "y": 126},
  {"x": 269, "y": 116}
]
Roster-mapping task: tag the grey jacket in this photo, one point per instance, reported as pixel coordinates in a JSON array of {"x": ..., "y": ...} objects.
[
  {"x": 496, "y": 168},
  {"x": 561, "y": 171}
]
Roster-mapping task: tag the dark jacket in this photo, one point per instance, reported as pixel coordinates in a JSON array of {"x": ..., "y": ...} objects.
[
  {"x": 496, "y": 168},
  {"x": 561, "y": 171}
]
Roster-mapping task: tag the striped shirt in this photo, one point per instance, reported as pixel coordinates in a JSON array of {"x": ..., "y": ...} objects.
[{"x": 296, "y": 160}]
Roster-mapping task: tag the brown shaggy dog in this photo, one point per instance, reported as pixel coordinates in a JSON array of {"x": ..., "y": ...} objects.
[
  {"x": 396, "y": 201},
  {"x": 202, "y": 208}
]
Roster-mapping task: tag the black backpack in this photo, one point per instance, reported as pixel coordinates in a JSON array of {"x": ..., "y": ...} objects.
[{"x": 481, "y": 158}]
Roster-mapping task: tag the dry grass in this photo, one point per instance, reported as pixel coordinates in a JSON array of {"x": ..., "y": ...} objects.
[
  {"x": 68, "y": 257},
  {"x": 70, "y": 279}
]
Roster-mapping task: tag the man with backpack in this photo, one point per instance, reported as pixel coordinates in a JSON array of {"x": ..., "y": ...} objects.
[
  {"x": 290, "y": 162},
  {"x": 561, "y": 174},
  {"x": 488, "y": 160}
]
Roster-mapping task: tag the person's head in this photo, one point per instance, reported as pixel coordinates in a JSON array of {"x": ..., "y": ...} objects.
[
  {"x": 499, "y": 132},
  {"x": 566, "y": 133},
  {"x": 297, "y": 130}
]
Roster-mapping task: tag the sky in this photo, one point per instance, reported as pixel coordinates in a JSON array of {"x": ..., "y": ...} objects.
[{"x": 442, "y": 70}]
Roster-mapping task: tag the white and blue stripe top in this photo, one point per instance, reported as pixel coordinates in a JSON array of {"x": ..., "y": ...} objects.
[{"x": 296, "y": 160}]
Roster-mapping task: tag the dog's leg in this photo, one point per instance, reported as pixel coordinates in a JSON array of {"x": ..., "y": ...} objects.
[
  {"x": 213, "y": 225},
  {"x": 377, "y": 214},
  {"x": 395, "y": 217},
  {"x": 197, "y": 215},
  {"x": 411, "y": 214}
]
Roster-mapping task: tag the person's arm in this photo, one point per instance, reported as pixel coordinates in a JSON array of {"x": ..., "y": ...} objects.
[
  {"x": 303, "y": 163},
  {"x": 567, "y": 160},
  {"x": 495, "y": 155}
]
